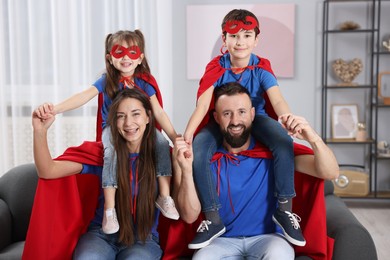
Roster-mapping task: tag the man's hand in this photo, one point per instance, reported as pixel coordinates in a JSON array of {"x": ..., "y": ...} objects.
[{"x": 40, "y": 124}]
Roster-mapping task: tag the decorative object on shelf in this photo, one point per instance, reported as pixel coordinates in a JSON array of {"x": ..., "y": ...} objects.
[
  {"x": 349, "y": 25},
  {"x": 344, "y": 121},
  {"x": 352, "y": 181},
  {"x": 384, "y": 87},
  {"x": 361, "y": 134},
  {"x": 383, "y": 148},
  {"x": 347, "y": 71},
  {"x": 386, "y": 44}
]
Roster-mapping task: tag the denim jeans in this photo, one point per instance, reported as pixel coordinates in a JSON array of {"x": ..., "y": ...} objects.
[
  {"x": 271, "y": 133},
  {"x": 268, "y": 246},
  {"x": 267, "y": 131},
  {"x": 95, "y": 244},
  {"x": 163, "y": 157}
]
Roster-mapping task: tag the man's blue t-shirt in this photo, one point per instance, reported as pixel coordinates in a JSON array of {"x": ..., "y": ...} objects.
[
  {"x": 246, "y": 194},
  {"x": 100, "y": 84},
  {"x": 256, "y": 80}
]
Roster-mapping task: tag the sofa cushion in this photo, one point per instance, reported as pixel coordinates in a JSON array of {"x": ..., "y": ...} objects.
[
  {"x": 13, "y": 251},
  {"x": 328, "y": 187},
  {"x": 17, "y": 189},
  {"x": 5, "y": 225}
]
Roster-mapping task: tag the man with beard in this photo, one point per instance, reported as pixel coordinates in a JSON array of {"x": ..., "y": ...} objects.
[{"x": 243, "y": 175}]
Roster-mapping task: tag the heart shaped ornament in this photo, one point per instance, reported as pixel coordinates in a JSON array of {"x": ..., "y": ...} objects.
[{"x": 347, "y": 71}]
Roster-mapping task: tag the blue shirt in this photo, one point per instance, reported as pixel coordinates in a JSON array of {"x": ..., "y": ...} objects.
[
  {"x": 249, "y": 184},
  {"x": 256, "y": 80},
  {"x": 97, "y": 170},
  {"x": 100, "y": 84}
]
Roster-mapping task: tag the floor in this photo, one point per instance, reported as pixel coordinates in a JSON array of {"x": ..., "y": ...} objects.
[{"x": 375, "y": 216}]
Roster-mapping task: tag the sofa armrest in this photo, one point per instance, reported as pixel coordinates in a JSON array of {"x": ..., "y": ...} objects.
[
  {"x": 5, "y": 225},
  {"x": 352, "y": 240}
]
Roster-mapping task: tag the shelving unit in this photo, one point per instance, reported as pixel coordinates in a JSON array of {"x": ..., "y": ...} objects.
[{"x": 364, "y": 43}]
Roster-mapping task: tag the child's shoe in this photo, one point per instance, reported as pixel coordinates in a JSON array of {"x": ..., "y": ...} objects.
[
  {"x": 167, "y": 207},
  {"x": 110, "y": 222}
]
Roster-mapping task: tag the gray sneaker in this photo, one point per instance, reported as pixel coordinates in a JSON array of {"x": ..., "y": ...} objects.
[
  {"x": 207, "y": 231},
  {"x": 289, "y": 222}
]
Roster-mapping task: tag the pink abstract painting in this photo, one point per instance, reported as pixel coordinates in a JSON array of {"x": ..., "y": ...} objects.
[{"x": 276, "y": 42}]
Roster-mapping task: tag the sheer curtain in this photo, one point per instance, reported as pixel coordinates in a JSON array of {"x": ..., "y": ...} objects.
[{"x": 51, "y": 49}]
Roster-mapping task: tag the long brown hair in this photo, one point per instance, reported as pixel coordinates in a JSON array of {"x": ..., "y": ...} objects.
[
  {"x": 113, "y": 75},
  {"x": 146, "y": 165}
]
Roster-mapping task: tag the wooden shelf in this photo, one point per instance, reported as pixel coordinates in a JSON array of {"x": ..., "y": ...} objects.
[
  {"x": 379, "y": 195},
  {"x": 352, "y": 31},
  {"x": 349, "y": 86},
  {"x": 348, "y": 141}
]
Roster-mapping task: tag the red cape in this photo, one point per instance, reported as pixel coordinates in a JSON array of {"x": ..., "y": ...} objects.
[
  {"x": 63, "y": 208},
  {"x": 146, "y": 77}
]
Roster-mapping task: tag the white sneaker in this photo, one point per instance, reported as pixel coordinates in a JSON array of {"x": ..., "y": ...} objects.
[
  {"x": 167, "y": 207},
  {"x": 110, "y": 222}
]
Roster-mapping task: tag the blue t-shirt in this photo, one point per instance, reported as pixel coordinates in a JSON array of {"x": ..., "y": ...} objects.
[
  {"x": 250, "y": 183},
  {"x": 100, "y": 84},
  {"x": 256, "y": 80},
  {"x": 97, "y": 170}
]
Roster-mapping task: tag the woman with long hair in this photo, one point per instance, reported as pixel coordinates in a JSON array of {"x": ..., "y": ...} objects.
[{"x": 133, "y": 129}]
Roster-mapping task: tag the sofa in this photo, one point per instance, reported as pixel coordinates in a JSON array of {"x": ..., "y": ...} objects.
[{"x": 17, "y": 189}]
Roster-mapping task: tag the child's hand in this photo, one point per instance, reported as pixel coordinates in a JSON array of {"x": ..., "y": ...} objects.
[
  {"x": 188, "y": 139},
  {"x": 44, "y": 111},
  {"x": 286, "y": 120},
  {"x": 182, "y": 153}
]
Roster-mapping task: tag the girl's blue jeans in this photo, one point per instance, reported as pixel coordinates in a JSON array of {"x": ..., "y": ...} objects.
[
  {"x": 265, "y": 130},
  {"x": 109, "y": 177}
]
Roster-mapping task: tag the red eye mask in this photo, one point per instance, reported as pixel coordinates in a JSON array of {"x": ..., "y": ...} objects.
[
  {"x": 234, "y": 26},
  {"x": 119, "y": 51}
]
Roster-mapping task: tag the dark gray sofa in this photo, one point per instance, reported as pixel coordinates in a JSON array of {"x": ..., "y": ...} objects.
[{"x": 17, "y": 189}]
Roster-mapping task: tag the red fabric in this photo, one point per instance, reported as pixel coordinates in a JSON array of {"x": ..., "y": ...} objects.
[
  {"x": 146, "y": 77},
  {"x": 63, "y": 208},
  {"x": 309, "y": 204}
]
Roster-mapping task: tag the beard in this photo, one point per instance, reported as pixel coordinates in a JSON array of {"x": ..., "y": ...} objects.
[{"x": 236, "y": 141}]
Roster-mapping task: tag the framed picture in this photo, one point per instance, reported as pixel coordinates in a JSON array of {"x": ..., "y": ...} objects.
[
  {"x": 384, "y": 87},
  {"x": 344, "y": 121}
]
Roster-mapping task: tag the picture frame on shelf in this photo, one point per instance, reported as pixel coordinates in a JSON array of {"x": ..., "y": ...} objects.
[
  {"x": 344, "y": 121},
  {"x": 384, "y": 87}
]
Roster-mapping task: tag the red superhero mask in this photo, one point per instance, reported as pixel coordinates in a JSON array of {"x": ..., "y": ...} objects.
[
  {"x": 234, "y": 26},
  {"x": 119, "y": 51}
]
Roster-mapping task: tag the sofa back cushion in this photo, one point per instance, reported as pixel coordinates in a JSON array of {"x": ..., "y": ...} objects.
[{"x": 17, "y": 189}]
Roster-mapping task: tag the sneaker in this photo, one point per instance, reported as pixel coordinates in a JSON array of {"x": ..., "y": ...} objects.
[
  {"x": 289, "y": 222},
  {"x": 206, "y": 233},
  {"x": 110, "y": 222},
  {"x": 167, "y": 207}
]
